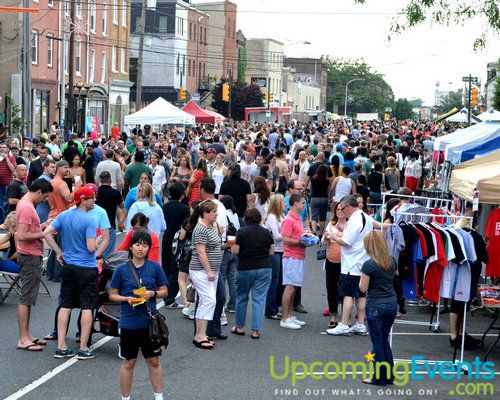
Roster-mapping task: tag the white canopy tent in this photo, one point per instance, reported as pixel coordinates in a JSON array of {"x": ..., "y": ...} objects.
[
  {"x": 472, "y": 133},
  {"x": 461, "y": 117},
  {"x": 490, "y": 115},
  {"x": 160, "y": 112}
]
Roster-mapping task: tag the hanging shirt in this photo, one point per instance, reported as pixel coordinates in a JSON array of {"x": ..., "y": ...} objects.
[
  {"x": 493, "y": 237},
  {"x": 395, "y": 240}
]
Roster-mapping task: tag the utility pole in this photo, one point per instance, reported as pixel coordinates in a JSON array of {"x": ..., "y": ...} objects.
[
  {"x": 230, "y": 94},
  {"x": 470, "y": 80},
  {"x": 268, "y": 97},
  {"x": 26, "y": 70},
  {"x": 62, "y": 107},
  {"x": 142, "y": 32},
  {"x": 71, "y": 117}
]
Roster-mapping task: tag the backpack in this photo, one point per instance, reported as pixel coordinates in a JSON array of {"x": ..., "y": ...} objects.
[
  {"x": 181, "y": 251},
  {"x": 230, "y": 229}
]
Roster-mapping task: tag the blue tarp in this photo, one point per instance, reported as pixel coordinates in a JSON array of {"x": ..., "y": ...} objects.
[{"x": 481, "y": 149}]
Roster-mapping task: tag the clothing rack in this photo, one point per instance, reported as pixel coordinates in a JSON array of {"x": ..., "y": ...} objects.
[
  {"x": 436, "y": 308},
  {"x": 429, "y": 200}
]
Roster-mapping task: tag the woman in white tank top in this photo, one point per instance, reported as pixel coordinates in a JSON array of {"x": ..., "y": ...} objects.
[
  {"x": 219, "y": 172},
  {"x": 343, "y": 185}
]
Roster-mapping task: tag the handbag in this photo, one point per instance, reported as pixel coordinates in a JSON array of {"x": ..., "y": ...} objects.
[
  {"x": 158, "y": 329},
  {"x": 191, "y": 294},
  {"x": 321, "y": 254}
]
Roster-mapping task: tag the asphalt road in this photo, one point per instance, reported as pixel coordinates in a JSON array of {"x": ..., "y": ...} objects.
[{"x": 238, "y": 368}]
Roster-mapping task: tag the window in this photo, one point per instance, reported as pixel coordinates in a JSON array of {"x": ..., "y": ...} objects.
[
  {"x": 103, "y": 67},
  {"x": 190, "y": 30},
  {"x": 180, "y": 26},
  {"x": 66, "y": 7},
  {"x": 201, "y": 34},
  {"x": 115, "y": 12},
  {"x": 92, "y": 66},
  {"x": 162, "y": 23},
  {"x": 183, "y": 65},
  {"x": 178, "y": 64},
  {"x": 50, "y": 50},
  {"x": 93, "y": 16},
  {"x": 34, "y": 46},
  {"x": 195, "y": 30},
  {"x": 104, "y": 19},
  {"x": 123, "y": 61},
  {"x": 50, "y": 3},
  {"x": 66, "y": 57},
  {"x": 205, "y": 35},
  {"x": 79, "y": 8},
  {"x": 189, "y": 67},
  {"x": 124, "y": 12},
  {"x": 78, "y": 60},
  {"x": 113, "y": 59}
]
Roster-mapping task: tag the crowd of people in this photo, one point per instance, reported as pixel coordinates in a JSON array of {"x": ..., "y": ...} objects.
[{"x": 221, "y": 210}]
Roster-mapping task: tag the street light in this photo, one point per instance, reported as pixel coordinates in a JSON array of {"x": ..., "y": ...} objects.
[{"x": 346, "y": 85}]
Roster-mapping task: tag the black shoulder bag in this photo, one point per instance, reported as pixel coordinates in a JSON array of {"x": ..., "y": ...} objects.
[{"x": 158, "y": 329}]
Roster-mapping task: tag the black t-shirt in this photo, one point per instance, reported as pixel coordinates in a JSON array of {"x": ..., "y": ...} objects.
[
  {"x": 174, "y": 213},
  {"x": 218, "y": 147},
  {"x": 254, "y": 241},
  {"x": 15, "y": 190},
  {"x": 319, "y": 188},
  {"x": 238, "y": 189},
  {"x": 265, "y": 151},
  {"x": 380, "y": 288},
  {"x": 314, "y": 166},
  {"x": 69, "y": 153},
  {"x": 364, "y": 192},
  {"x": 109, "y": 199},
  {"x": 374, "y": 181}
]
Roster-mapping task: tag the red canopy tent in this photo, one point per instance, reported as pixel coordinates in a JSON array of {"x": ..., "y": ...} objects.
[{"x": 202, "y": 116}]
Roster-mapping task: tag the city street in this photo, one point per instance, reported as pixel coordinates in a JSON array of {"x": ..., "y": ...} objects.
[{"x": 238, "y": 368}]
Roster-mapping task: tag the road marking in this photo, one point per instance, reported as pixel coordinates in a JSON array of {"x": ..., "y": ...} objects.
[
  {"x": 57, "y": 370},
  {"x": 428, "y": 334}
]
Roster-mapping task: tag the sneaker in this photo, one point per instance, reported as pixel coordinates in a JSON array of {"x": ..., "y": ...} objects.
[
  {"x": 85, "y": 355},
  {"x": 66, "y": 353},
  {"x": 289, "y": 324},
  {"x": 223, "y": 319},
  {"x": 188, "y": 312},
  {"x": 175, "y": 305},
  {"x": 300, "y": 309},
  {"x": 297, "y": 321},
  {"x": 340, "y": 330},
  {"x": 359, "y": 329}
]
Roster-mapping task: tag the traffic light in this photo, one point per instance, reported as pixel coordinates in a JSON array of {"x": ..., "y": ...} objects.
[
  {"x": 474, "y": 97},
  {"x": 225, "y": 92},
  {"x": 182, "y": 94},
  {"x": 271, "y": 97}
]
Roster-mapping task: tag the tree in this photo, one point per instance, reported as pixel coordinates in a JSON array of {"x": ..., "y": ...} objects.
[
  {"x": 242, "y": 64},
  {"x": 496, "y": 95},
  {"x": 416, "y": 103},
  {"x": 242, "y": 95},
  {"x": 403, "y": 110},
  {"x": 448, "y": 12},
  {"x": 18, "y": 125},
  {"x": 371, "y": 94},
  {"x": 451, "y": 100}
]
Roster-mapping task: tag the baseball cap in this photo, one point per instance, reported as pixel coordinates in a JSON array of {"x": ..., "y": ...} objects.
[
  {"x": 340, "y": 146},
  {"x": 211, "y": 151},
  {"x": 82, "y": 193},
  {"x": 93, "y": 187}
]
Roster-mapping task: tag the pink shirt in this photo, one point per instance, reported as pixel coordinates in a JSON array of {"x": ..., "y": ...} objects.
[
  {"x": 292, "y": 228},
  {"x": 26, "y": 214}
]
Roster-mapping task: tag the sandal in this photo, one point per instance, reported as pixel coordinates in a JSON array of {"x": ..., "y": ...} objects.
[
  {"x": 39, "y": 342},
  {"x": 255, "y": 335},
  {"x": 31, "y": 347},
  {"x": 50, "y": 336},
  {"x": 235, "y": 331},
  {"x": 204, "y": 344}
]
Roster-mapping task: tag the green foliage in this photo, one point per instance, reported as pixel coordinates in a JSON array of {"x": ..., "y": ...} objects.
[
  {"x": 416, "y": 103},
  {"x": 242, "y": 95},
  {"x": 17, "y": 124},
  {"x": 448, "y": 12},
  {"x": 242, "y": 64},
  {"x": 371, "y": 94},
  {"x": 452, "y": 99},
  {"x": 403, "y": 110},
  {"x": 496, "y": 95}
]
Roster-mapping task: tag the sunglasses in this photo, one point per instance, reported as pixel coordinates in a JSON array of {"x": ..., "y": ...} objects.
[{"x": 343, "y": 208}]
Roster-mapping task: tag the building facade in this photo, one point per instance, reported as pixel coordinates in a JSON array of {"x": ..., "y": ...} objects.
[
  {"x": 311, "y": 72},
  {"x": 197, "y": 53},
  {"x": 492, "y": 74}
]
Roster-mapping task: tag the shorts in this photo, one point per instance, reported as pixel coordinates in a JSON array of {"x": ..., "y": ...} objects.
[
  {"x": 294, "y": 271},
  {"x": 184, "y": 267},
  {"x": 79, "y": 287},
  {"x": 131, "y": 340},
  {"x": 319, "y": 208},
  {"x": 457, "y": 307},
  {"x": 349, "y": 286},
  {"x": 30, "y": 275}
]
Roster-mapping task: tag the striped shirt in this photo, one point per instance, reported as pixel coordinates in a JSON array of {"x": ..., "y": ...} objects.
[
  {"x": 212, "y": 241},
  {"x": 6, "y": 175}
]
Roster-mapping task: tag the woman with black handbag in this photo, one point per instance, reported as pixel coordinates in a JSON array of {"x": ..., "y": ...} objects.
[{"x": 147, "y": 278}]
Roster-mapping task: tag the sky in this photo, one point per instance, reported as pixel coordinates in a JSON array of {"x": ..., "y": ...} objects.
[{"x": 411, "y": 62}]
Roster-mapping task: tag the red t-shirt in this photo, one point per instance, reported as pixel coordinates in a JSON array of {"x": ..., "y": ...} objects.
[
  {"x": 154, "y": 251},
  {"x": 493, "y": 237},
  {"x": 115, "y": 132},
  {"x": 6, "y": 175},
  {"x": 26, "y": 214}
]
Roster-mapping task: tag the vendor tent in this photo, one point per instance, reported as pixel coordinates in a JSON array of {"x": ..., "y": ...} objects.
[
  {"x": 481, "y": 174},
  {"x": 470, "y": 134},
  {"x": 485, "y": 142},
  {"x": 160, "y": 112},
  {"x": 461, "y": 118},
  {"x": 202, "y": 116},
  {"x": 490, "y": 115}
]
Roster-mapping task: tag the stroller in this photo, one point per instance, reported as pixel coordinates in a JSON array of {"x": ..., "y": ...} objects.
[{"x": 108, "y": 313}]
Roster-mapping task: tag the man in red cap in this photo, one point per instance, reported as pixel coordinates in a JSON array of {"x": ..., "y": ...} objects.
[{"x": 79, "y": 287}]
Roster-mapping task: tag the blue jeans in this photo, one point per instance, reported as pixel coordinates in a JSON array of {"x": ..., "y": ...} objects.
[
  {"x": 257, "y": 281},
  {"x": 54, "y": 269},
  {"x": 228, "y": 272},
  {"x": 3, "y": 201},
  {"x": 272, "y": 305},
  {"x": 379, "y": 319},
  {"x": 214, "y": 326},
  {"x": 112, "y": 242}
]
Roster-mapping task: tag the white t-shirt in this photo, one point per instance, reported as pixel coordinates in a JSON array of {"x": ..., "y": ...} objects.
[{"x": 354, "y": 254}]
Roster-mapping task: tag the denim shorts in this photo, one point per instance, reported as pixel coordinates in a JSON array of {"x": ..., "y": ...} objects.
[
  {"x": 349, "y": 286},
  {"x": 293, "y": 271}
]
